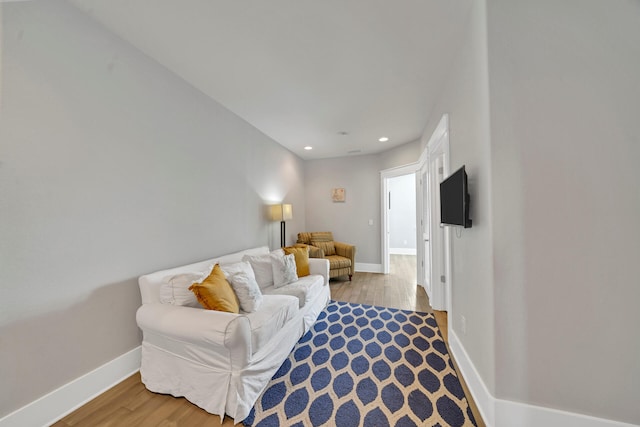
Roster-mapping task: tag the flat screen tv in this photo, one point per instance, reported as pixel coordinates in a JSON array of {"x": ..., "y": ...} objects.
[{"x": 454, "y": 200}]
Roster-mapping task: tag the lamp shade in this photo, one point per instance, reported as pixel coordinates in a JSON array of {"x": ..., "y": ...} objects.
[
  {"x": 282, "y": 212},
  {"x": 287, "y": 212}
]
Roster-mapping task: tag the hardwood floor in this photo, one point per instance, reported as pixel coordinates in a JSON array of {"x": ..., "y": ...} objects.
[
  {"x": 397, "y": 289},
  {"x": 131, "y": 404}
]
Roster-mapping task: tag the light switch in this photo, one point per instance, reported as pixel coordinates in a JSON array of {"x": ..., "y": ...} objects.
[{"x": 370, "y": 222}]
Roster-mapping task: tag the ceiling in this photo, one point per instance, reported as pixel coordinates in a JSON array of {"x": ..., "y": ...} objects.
[{"x": 333, "y": 74}]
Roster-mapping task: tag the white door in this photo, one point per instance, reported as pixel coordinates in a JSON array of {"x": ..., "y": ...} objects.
[
  {"x": 425, "y": 246},
  {"x": 438, "y": 251}
]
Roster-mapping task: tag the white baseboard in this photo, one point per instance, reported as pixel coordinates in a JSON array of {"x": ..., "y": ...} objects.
[
  {"x": 66, "y": 399},
  {"x": 403, "y": 251},
  {"x": 507, "y": 413},
  {"x": 368, "y": 268},
  {"x": 483, "y": 399}
]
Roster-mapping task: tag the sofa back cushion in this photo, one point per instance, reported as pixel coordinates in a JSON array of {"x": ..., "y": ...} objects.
[
  {"x": 305, "y": 238},
  {"x": 324, "y": 241},
  {"x": 175, "y": 290},
  {"x": 150, "y": 284},
  {"x": 261, "y": 265}
]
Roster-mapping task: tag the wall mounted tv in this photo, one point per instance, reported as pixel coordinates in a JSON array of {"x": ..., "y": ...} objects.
[{"x": 454, "y": 200}]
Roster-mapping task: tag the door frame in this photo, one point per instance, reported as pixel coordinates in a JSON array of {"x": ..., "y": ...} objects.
[
  {"x": 422, "y": 222},
  {"x": 385, "y": 175},
  {"x": 438, "y": 144}
]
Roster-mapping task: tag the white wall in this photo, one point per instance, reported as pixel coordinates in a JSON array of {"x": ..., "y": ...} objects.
[
  {"x": 360, "y": 176},
  {"x": 401, "y": 155},
  {"x": 565, "y": 100},
  {"x": 110, "y": 167},
  {"x": 349, "y": 221},
  {"x": 543, "y": 103},
  {"x": 465, "y": 97}
]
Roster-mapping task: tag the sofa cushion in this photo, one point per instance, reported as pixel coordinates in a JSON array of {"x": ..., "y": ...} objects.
[
  {"x": 337, "y": 261},
  {"x": 151, "y": 284},
  {"x": 237, "y": 256},
  {"x": 215, "y": 292},
  {"x": 284, "y": 269},
  {"x": 305, "y": 289},
  {"x": 174, "y": 289},
  {"x": 261, "y": 265},
  {"x": 274, "y": 313},
  {"x": 237, "y": 267},
  {"x": 301, "y": 254}
]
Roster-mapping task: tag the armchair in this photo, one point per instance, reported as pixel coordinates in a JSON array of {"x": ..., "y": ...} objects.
[{"x": 341, "y": 256}]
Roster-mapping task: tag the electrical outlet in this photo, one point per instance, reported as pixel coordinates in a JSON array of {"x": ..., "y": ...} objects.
[{"x": 463, "y": 325}]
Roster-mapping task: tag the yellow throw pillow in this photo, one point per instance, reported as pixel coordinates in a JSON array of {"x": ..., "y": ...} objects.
[
  {"x": 302, "y": 259},
  {"x": 215, "y": 293}
]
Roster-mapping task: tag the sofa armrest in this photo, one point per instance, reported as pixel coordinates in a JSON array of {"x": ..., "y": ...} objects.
[
  {"x": 320, "y": 266},
  {"x": 214, "y": 330}
]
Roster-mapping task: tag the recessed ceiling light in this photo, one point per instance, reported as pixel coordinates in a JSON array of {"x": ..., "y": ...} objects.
[
  {"x": 343, "y": 133},
  {"x": 308, "y": 147},
  {"x": 383, "y": 139}
]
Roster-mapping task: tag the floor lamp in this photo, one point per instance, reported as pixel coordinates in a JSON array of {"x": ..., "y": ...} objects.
[{"x": 282, "y": 213}]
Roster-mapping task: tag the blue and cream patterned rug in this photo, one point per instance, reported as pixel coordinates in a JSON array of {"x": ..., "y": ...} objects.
[{"x": 362, "y": 365}]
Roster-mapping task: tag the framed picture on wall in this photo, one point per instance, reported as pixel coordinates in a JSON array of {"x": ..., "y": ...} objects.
[{"x": 338, "y": 195}]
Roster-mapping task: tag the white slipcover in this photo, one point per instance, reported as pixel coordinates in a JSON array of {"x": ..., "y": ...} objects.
[{"x": 222, "y": 361}]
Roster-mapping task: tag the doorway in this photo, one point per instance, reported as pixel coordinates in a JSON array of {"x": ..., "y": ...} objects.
[
  {"x": 398, "y": 213},
  {"x": 401, "y": 207},
  {"x": 433, "y": 262},
  {"x": 402, "y": 215}
]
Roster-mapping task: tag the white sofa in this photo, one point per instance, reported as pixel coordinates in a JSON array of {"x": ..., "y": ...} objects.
[{"x": 222, "y": 361}]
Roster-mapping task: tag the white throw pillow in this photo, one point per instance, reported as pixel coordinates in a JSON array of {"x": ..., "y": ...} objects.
[
  {"x": 247, "y": 291},
  {"x": 175, "y": 289},
  {"x": 261, "y": 265},
  {"x": 242, "y": 267},
  {"x": 284, "y": 269}
]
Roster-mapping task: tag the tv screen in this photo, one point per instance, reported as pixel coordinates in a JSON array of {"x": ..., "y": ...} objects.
[{"x": 454, "y": 200}]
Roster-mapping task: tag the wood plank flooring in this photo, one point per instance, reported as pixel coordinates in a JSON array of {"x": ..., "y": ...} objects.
[
  {"x": 397, "y": 289},
  {"x": 131, "y": 404}
]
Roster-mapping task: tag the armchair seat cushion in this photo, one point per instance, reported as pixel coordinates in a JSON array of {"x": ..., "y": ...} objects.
[{"x": 337, "y": 261}]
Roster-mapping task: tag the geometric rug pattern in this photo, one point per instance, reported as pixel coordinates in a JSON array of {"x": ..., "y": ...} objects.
[{"x": 362, "y": 365}]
